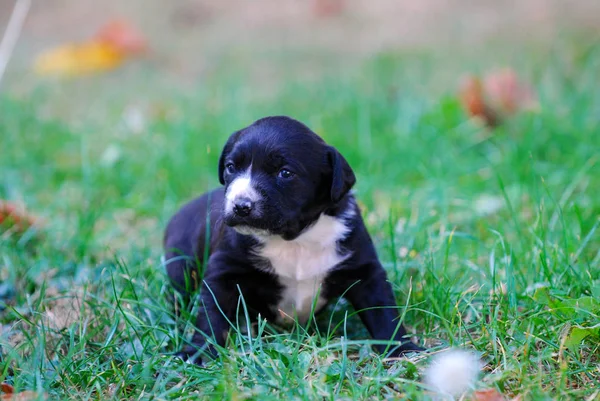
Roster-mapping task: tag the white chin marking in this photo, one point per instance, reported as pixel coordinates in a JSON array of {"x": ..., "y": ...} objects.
[
  {"x": 241, "y": 187},
  {"x": 453, "y": 372},
  {"x": 256, "y": 232}
]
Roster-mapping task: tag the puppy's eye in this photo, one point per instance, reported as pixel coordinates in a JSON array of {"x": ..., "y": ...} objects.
[
  {"x": 230, "y": 168},
  {"x": 285, "y": 173}
]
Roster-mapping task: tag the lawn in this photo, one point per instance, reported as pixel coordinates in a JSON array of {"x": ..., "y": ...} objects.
[{"x": 490, "y": 237}]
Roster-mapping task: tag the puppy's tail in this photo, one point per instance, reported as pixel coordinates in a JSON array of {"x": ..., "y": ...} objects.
[{"x": 452, "y": 373}]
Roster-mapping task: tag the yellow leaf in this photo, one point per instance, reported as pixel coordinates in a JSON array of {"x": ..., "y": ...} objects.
[{"x": 78, "y": 59}]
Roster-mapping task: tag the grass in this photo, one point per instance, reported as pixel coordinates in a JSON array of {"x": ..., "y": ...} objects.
[{"x": 490, "y": 238}]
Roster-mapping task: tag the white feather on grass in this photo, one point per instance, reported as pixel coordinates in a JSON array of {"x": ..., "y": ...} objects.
[{"x": 452, "y": 373}]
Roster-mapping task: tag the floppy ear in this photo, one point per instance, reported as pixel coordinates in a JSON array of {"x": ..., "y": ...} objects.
[
  {"x": 226, "y": 150},
  {"x": 342, "y": 176}
]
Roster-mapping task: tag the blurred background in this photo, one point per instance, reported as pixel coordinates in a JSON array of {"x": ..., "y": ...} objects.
[
  {"x": 153, "y": 88},
  {"x": 263, "y": 43},
  {"x": 472, "y": 126}
]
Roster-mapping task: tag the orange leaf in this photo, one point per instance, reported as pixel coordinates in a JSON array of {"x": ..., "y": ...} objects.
[
  {"x": 22, "y": 396},
  {"x": 122, "y": 35},
  {"x": 488, "y": 395},
  {"x": 499, "y": 95},
  {"x": 328, "y": 8},
  {"x": 13, "y": 218},
  {"x": 6, "y": 388},
  {"x": 78, "y": 59},
  {"x": 473, "y": 100},
  {"x": 506, "y": 92}
]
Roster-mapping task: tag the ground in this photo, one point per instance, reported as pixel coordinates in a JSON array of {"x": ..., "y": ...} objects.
[{"x": 490, "y": 236}]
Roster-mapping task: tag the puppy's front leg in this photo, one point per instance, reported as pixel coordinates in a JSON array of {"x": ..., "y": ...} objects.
[
  {"x": 218, "y": 299},
  {"x": 374, "y": 300}
]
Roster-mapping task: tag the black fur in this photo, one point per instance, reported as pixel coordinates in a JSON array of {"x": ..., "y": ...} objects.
[{"x": 320, "y": 183}]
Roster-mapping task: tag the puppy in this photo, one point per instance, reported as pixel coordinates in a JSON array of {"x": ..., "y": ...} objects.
[{"x": 285, "y": 233}]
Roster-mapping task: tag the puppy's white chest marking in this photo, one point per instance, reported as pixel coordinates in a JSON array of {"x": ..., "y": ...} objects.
[{"x": 302, "y": 264}]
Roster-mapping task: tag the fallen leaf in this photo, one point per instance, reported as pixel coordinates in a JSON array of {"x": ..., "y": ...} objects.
[
  {"x": 488, "y": 395},
  {"x": 7, "y": 393},
  {"x": 328, "y": 8},
  {"x": 507, "y": 92},
  {"x": 114, "y": 43},
  {"x": 472, "y": 97},
  {"x": 14, "y": 219},
  {"x": 22, "y": 396},
  {"x": 63, "y": 310},
  {"x": 6, "y": 388},
  {"x": 78, "y": 59},
  {"x": 499, "y": 94},
  {"x": 123, "y": 36}
]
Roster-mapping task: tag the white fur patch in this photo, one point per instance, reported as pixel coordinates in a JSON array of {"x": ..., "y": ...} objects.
[
  {"x": 255, "y": 232},
  {"x": 240, "y": 187},
  {"x": 453, "y": 372},
  {"x": 303, "y": 263}
]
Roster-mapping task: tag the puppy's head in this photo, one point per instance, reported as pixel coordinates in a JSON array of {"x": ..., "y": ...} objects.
[{"x": 279, "y": 176}]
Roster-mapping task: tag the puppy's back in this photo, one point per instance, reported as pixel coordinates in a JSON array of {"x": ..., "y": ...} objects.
[{"x": 185, "y": 237}]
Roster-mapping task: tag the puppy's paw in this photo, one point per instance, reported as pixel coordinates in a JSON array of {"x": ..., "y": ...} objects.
[
  {"x": 409, "y": 347},
  {"x": 406, "y": 349},
  {"x": 191, "y": 355}
]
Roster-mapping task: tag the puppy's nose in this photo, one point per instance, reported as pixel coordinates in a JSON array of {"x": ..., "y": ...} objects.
[{"x": 242, "y": 207}]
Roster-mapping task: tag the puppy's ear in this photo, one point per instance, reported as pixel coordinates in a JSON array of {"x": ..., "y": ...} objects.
[
  {"x": 226, "y": 150},
  {"x": 342, "y": 176}
]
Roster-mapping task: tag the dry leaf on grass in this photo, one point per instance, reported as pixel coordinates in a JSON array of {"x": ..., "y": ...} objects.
[
  {"x": 7, "y": 393},
  {"x": 123, "y": 36},
  {"x": 328, "y": 8},
  {"x": 491, "y": 394},
  {"x": 488, "y": 395},
  {"x": 14, "y": 219},
  {"x": 6, "y": 388},
  {"x": 115, "y": 42},
  {"x": 64, "y": 310},
  {"x": 78, "y": 59},
  {"x": 472, "y": 97},
  {"x": 506, "y": 92},
  {"x": 496, "y": 96},
  {"x": 22, "y": 396}
]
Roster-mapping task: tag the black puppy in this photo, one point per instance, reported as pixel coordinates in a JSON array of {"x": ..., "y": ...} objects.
[{"x": 285, "y": 232}]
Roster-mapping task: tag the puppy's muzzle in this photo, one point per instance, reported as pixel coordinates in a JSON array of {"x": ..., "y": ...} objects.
[{"x": 242, "y": 207}]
